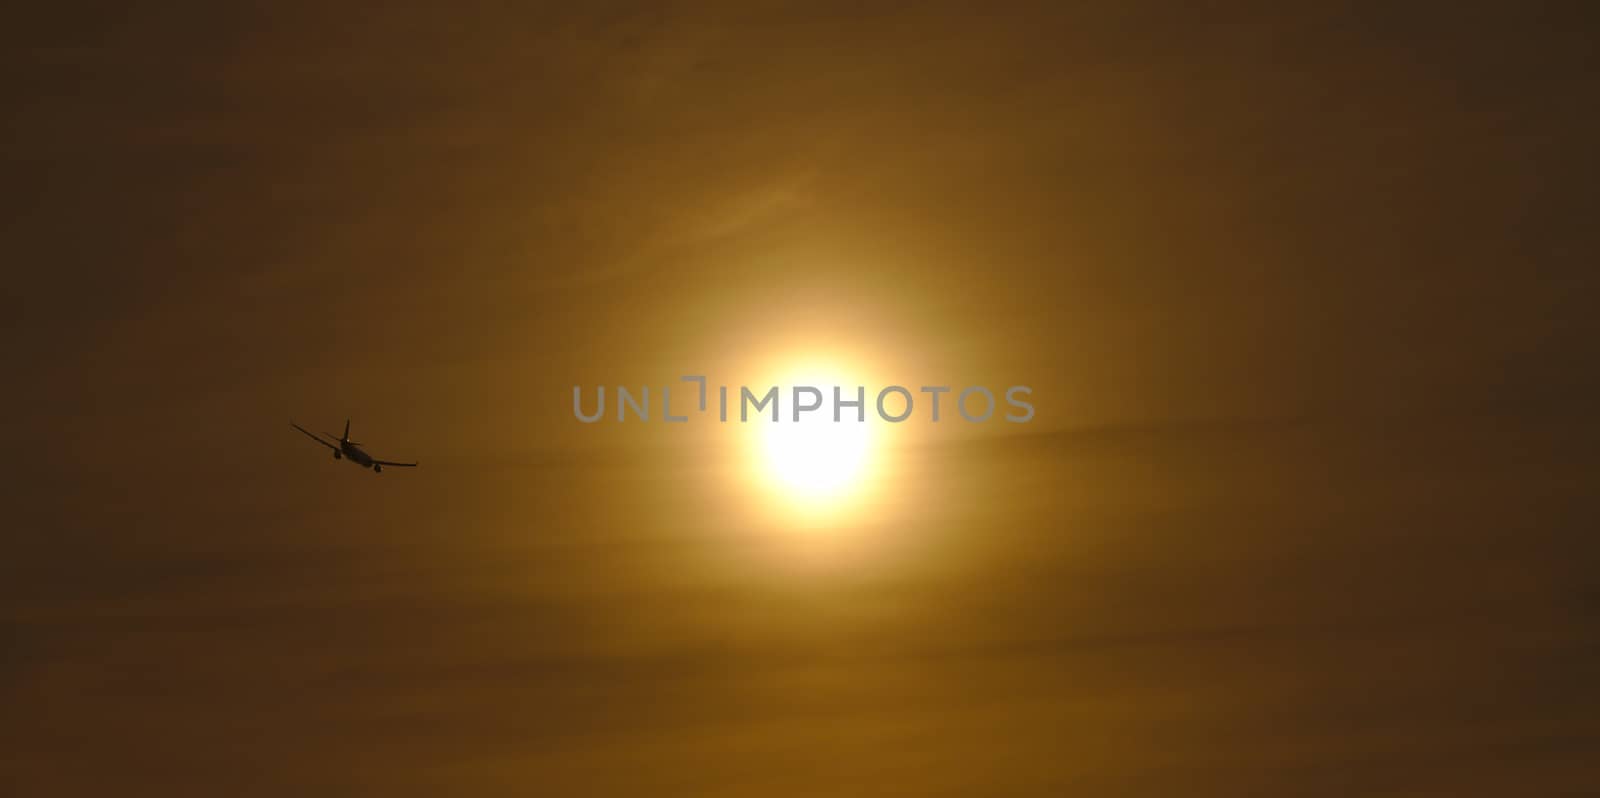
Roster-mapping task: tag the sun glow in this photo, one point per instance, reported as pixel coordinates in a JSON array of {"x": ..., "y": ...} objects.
[
  {"x": 816, "y": 458},
  {"x": 815, "y": 465}
]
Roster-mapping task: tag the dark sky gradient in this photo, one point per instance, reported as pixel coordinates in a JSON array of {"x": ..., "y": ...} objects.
[{"x": 1306, "y": 298}]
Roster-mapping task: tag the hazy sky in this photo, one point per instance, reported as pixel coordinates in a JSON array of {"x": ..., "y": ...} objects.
[{"x": 1306, "y": 299}]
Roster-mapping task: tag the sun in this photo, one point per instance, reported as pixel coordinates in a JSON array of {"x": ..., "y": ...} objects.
[
  {"x": 816, "y": 458},
  {"x": 815, "y": 465}
]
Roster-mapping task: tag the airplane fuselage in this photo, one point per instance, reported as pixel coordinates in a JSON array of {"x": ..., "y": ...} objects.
[{"x": 354, "y": 454}]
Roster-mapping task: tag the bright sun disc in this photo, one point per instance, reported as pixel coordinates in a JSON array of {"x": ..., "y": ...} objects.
[
  {"x": 816, "y": 458},
  {"x": 816, "y": 462}
]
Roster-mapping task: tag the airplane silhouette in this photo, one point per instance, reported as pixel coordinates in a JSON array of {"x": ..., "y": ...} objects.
[{"x": 351, "y": 450}]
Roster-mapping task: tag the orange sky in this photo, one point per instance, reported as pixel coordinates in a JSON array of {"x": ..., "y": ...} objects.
[{"x": 1303, "y": 297}]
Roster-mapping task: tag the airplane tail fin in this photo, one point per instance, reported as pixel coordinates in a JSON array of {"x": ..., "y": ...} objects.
[{"x": 346, "y": 430}]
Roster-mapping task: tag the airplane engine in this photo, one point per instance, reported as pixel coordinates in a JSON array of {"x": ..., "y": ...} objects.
[
  {"x": 377, "y": 469},
  {"x": 337, "y": 455}
]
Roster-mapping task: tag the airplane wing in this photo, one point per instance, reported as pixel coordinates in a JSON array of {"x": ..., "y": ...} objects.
[
  {"x": 391, "y": 463},
  {"x": 313, "y": 436}
]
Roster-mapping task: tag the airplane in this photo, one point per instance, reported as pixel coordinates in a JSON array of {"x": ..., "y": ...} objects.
[{"x": 351, "y": 450}]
